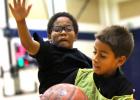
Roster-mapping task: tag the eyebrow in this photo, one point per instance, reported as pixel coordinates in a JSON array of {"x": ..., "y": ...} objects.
[
  {"x": 62, "y": 25},
  {"x": 101, "y": 51},
  {"x": 59, "y": 23}
]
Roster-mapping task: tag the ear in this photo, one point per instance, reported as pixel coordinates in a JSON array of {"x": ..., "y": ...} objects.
[{"x": 121, "y": 60}]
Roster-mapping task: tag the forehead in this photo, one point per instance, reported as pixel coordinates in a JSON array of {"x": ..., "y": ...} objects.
[
  {"x": 103, "y": 47},
  {"x": 63, "y": 21}
]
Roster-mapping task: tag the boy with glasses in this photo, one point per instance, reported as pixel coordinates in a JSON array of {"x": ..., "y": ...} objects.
[{"x": 55, "y": 55}]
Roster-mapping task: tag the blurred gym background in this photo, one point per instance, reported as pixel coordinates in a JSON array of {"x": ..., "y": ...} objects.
[{"x": 18, "y": 71}]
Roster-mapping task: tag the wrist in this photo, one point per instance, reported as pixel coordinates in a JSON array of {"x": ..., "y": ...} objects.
[{"x": 20, "y": 21}]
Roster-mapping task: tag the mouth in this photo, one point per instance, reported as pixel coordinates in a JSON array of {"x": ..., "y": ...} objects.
[
  {"x": 63, "y": 39},
  {"x": 63, "y": 42},
  {"x": 96, "y": 67}
]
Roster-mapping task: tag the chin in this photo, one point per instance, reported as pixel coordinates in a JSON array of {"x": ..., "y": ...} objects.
[
  {"x": 97, "y": 72},
  {"x": 65, "y": 45}
]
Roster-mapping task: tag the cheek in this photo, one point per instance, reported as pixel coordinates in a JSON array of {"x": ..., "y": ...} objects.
[
  {"x": 105, "y": 61},
  {"x": 109, "y": 63},
  {"x": 72, "y": 38},
  {"x": 73, "y": 35},
  {"x": 54, "y": 36}
]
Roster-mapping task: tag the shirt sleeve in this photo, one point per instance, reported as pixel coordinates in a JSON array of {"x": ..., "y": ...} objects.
[
  {"x": 36, "y": 37},
  {"x": 43, "y": 51}
]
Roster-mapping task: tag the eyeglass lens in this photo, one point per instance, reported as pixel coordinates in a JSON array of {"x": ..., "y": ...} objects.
[{"x": 67, "y": 28}]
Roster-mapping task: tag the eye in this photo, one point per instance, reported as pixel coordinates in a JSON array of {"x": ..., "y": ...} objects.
[
  {"x": 94, "y": 52},
  {"x": 103, "y": 56},
  {"x": 57, "y": 28},
  {"x": 68, "y": 28}
]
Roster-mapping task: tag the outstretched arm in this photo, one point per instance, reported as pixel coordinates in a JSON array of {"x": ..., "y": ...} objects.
[{"x": 20, "y": 12}]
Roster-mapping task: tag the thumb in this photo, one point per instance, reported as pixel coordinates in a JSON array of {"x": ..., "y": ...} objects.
[
  {"x": 28, "y": 9},
  {"x": 11, "y": 8}
]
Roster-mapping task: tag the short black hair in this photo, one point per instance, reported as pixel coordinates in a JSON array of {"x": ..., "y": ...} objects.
[
  {"x": 118, "y": 38},
  {"x": 61, "y": 14}
]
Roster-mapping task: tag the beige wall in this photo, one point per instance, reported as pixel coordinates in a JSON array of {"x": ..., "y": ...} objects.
[
  {"x": 90, "y": 13},
  {"x": 96, "y": 14},
  {"x": 129, "y": 9}
]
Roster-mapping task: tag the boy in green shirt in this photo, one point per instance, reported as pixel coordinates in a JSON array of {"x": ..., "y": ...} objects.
[{"x": 112, "y": 48}]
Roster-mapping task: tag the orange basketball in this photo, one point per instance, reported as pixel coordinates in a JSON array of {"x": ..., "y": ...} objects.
[{"x": 64, "y": 91}]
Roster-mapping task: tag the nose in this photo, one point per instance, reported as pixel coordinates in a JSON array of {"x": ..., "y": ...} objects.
[
  {"x": 63, "y": 31},
  {"x": 95, "y": 58}
]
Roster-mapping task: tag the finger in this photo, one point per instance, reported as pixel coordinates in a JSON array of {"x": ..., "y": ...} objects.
[
  {"x": 23, "y": 3},
  {"x": 28, "y": 9},
  {"x": 11, "y": 8},
  {"x": 19, "y": 2},
  {"x": 14, "y": 2}
]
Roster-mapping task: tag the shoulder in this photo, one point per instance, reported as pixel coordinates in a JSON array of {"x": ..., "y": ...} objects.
[
  {"x": 125, "y": 87},
  {"x": 84, "y": 74},
  {"x": 87, "y": 70}
]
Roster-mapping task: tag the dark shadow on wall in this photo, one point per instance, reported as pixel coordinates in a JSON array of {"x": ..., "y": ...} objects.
[{"x": 132, "y": 66}]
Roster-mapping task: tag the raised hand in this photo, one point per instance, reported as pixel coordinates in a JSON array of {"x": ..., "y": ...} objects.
[{"x": 19, "y": 11}]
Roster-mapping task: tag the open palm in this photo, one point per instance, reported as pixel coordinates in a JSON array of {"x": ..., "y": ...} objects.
[{"x": 19, "y": 11}]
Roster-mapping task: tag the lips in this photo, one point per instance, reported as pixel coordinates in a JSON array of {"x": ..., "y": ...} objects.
[
  {"x": 62, "y": 39},
  {"x": 96, "y": 66}
]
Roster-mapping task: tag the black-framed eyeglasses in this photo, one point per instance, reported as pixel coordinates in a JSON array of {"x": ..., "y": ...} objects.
[{"x": 67, "y": 28}]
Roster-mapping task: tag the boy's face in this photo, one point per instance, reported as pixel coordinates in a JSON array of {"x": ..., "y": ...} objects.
[
  {"x": 104, "y": 60},
  {"x": 63, "y": 32}
]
